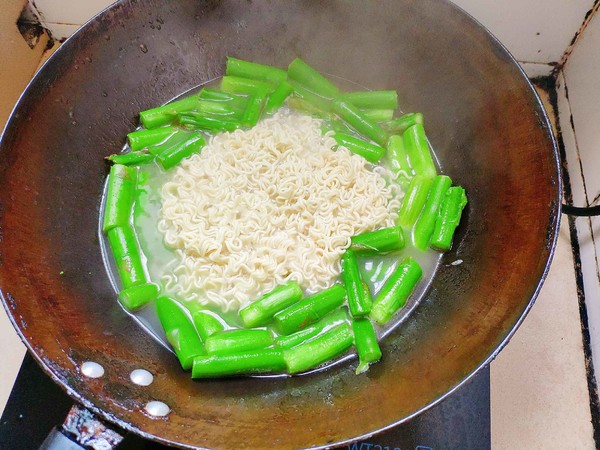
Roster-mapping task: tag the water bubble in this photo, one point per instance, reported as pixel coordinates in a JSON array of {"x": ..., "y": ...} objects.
[{"x": 143, "y": 48}]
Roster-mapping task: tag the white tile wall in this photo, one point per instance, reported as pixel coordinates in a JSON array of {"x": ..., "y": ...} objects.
[
  {"x": 579, "y": 116},
  {"x": 533, "y": 30}
]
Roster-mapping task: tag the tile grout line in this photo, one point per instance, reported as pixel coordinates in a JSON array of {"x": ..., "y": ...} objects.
[
  {"x": 549, "y": 83},
  {"x": 588, "y": 219}
]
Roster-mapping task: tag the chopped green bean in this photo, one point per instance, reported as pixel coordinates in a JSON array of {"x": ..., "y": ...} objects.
[
  {"x": 174, "y": 155},
  {"x": 414, "y": 200},
  {"x": 180, "y": 330},
  {"x": 359, "y": 122},
  {"x": 448, "y": 219},
  {"x": 251, "y": 362},
  {"x": 396, "y": 290},
  {"x": 418, "y": 151},
  {"x": 254, "y": 109},
  {"x": 131, "y": 158},
  {"x": 309, "y": 310},
  {"x": 125, "y": 249},
  {"x": 206, "y": 324},
  {"x": 370, "y": 152},
  {"x": 278, "y": 97},
  {"x": 304, "y": 74},
  {"x": 136, "y": 297},
  {"x": 291, "y": 340},
  {"x": 157, "y": 117},
  {"x": 318, "y": 350},
  {"x": 397, "y": 157},
  {"x": 122, "y": 241},
  {"x": 261, "y": 311},
  {"x": 255, "y": 71},
  {"x": 378, "y": 115},
  {"x": 426, "y": 222},
  {"x": 403, "y": 123},
  {"x": 119, "y": 196},
  {"x": 372, "y": 99},
  {"x": 366, "y": 344},
  {"x": 234, "y": 101},
  {"x": 358, "y": 302},
  {"x": 300, "y": 104},
  {"x": 131, "y": 270},
  {"x": 172, "y": 142},
  {"x": 236, "y": 341},
  {"x": 208, "y": 123},
  {"x": 219, "y": 108},
  {"x": 320, "y": 103},
  {"x": 238, "y": 85},
  {"x": 145, "y": 138},
  {"x": 379, "y": 241}
]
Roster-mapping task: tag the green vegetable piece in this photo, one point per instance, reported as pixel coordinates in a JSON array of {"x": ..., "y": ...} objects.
[
  {"x": 396, "y": 290},
  {"x": 426, "y": 222},
  {"x": 254, "y": 109},
  {"x": 304, "y": 74},
  {"x": 174, "y": 141},
  {"x": 119, "y": 197},
  {"x": 207, "y": 324},
  {"x": 418, "y": 151},
  {"x": 278, "y": 97},
  {"x": 379, "y": 241},
  {"x": 397, "y": 157},
  {"x": 378, "y": 115},
  {"x": 359, "y": 122},
  {"x": 208, "y": 123},
  {"x": 157, "y": 117},
  {"x": 370, "y": 152},
  {"x": 320, "y": 104},
  {"x": 219, "y": 108},
  {"x": 300, "y": 104},
  {"x": 414, "y": 200},
  {"x": 333, "y": 318},
  {"x": 145, "y": 138},
  {"x": 233, "y": 101},
  {"x": 136, "y": 297},
  {"x": 318, "y": 350},
  {"x": 267, "y": 360},
  {"x": 174, "y": 155},
  {"x": 131, "y": 158},
  {"x": 309, "y": 310},
  {"x": 131, "y": 271},
  {"x": 358, "y": 303},
  {"x": 122, "y": 241},
  {"x": 179, "y": 329},
  {"x": 403, "y": 123},
  {"x": 372, "y": 99},
  {"x": 255, "y": 71},
  {"x": 236, "y": 341},
  {"x": 238, "y": 85},
  {"x": 366, "y": 344},
  {"x": 261, "y": 311},
  {"x": 217, "y": 95},
  {"x": 448, "y": 219}
]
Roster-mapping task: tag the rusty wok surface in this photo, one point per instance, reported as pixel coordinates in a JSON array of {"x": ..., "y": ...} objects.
[{"x": 483, "y": 119}]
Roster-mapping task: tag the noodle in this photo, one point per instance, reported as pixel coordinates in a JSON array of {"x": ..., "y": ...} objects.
[{"x": 262, "y": 207}]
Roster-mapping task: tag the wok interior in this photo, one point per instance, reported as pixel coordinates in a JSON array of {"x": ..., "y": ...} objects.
[{"x": 482, "y": 118}]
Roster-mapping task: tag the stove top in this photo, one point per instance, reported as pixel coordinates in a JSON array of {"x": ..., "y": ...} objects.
[{"x": 462, "y": 421}]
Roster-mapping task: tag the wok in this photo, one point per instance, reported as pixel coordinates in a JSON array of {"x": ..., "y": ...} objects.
[{"x": 483, "y": 118}]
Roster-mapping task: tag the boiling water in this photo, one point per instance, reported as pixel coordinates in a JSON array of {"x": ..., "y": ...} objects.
[{"x": 374, "y": 269}]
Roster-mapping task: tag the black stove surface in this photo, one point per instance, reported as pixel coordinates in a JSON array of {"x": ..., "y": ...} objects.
[{"x": 462, "y": 421}]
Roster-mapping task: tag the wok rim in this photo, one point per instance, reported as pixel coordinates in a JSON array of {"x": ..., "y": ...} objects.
[{"x": 553, "y": 228}]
